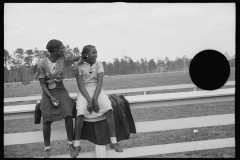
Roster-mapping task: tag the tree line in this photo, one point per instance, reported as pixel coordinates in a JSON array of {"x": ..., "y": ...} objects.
[{"x": 20, "y": 67}]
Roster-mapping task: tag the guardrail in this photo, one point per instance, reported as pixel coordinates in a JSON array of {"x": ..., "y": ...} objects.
[
  {"x": 122, "y": 91},
  {"x": 143, "y": 101}
]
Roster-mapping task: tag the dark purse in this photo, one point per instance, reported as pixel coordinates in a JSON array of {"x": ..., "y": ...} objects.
[{"x": 37, "y": 114}]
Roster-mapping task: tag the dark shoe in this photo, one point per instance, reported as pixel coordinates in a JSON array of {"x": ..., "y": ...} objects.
[
  {"x": 70, "y": 148},
  {"x": 47, "y": 153},
  {"x": 116, "y": 146},
  {"x": 76, "y": 151}
]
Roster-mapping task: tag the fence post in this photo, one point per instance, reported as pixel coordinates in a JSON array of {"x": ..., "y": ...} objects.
[
  {"x": 101, "y": 151},
  {"x": 144, "y": 93},
  {"x": 195, "y": 88}
]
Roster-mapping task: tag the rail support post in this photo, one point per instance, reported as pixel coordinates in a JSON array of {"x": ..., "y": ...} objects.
[{"x": 101, "y": 151}]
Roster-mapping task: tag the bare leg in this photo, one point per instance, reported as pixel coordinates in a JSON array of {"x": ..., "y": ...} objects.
[
  {"x": 47, "y": 133},
  {"x": 69, "y": 128},
  {"x": 112, "y": 130},
  {"x": 78, "y": 131},
  {"x": 46, "y": 137},
  {"x": 78, "y": 126}
]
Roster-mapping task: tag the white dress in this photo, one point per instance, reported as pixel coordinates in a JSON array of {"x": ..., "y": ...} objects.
[{"x": 90, "y": 82}]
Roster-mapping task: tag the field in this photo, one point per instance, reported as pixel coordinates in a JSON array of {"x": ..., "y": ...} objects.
[{"x": 150, "y": 114}]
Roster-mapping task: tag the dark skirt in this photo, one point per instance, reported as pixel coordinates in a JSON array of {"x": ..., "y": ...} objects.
[
  {"x": 51, "y": 113},
  {"x": 98, "y": 132}
]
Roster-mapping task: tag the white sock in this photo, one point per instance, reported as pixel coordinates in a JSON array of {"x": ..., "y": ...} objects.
[
  {"x": 48, "y": 147},
  {"x": 113, "y": 139},
  {"x": 76, "y": 143},
  {"x": 70, "y": 142}
]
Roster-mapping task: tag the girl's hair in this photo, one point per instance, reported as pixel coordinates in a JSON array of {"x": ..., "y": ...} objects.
[
  {"x": 54, "y": 43},
  {"x": 86, "y": 49}
]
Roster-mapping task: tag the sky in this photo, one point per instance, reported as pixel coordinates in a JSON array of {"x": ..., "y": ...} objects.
[{"x": 137, "y": 30}]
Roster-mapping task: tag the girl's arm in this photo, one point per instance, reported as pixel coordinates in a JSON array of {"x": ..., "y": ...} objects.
[
  {"x": 97, "y": 91},
  {"x": 84, "y": 92},
  {"x": 45, "y": 90},
  {"x": 76, "y": 58},
  {"x": 76, "y": 65},
  {"x": 99, "y": 85},
  {"x": 82, "y": 88}
]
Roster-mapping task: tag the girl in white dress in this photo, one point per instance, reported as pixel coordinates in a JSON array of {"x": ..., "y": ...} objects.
[{"x": 92, "y": 102}]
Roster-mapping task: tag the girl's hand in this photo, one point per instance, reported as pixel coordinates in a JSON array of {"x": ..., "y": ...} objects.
[
  {"x": 90, "y": 107},
  {"x": 75, "y": 69},
  {"x": 80, "y": 61},
  {"x": 54, "y": 102},
  {"x": 76, "y": 66},
  {"x": 95, "y": 105}
]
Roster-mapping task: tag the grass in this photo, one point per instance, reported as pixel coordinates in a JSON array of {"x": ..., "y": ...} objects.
[{"x": 150, "y": 114}]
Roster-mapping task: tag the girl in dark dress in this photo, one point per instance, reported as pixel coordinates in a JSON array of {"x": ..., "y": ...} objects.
[{"x": 56, "y": 104}]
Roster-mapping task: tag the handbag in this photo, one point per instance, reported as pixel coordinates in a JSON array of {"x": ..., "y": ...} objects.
[{"x": 37, "y": 114}]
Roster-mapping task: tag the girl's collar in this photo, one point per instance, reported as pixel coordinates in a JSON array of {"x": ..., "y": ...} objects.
[
  {"x": 52, "y": 60},
  {"x": 90, "y": 64}
]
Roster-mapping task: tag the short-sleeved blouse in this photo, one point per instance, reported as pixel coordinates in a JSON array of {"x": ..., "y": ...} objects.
[
  {"x": 89, "y": 73},
  {"x": 43, "y": 69}
]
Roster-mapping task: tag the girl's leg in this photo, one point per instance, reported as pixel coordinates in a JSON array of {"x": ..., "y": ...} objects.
[
  {"x": 69, "y": 129},
  {"x": 111, "y": 123},
  {"x": 112, "y": 130},
  {"x": 78, "y": 131},
  {"x": 46, "y": 137}
]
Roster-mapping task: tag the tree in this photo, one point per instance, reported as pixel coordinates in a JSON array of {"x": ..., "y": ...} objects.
[
  {"x": 160, "y": 65},
  {"x": 29, "y": 58},
  {"x": 132, "y": 66},
  {"x": 178, "y": 64},
  {"x": 124, "y": 65},
  {"x": 37, "y": 54},
  {"x": 117, "y": 66},
  {"x": 138, "y": 67},
  {"x": 128, "y": 68},
  {"x": 152, "y": 65},
  {"x": 110, "y": 68},
  {"x": 144, "y": 65},
  {"x": 188, "y": 61},
  {"x": 17, "y": 62},
  {"x": 67, "y": 47},
  {"x": 167, "y": 64},
  {"x": 18, "y": 57},
  {"x": 76, "y": 51},
  {"x": 6, "y": 75},
  {"x": 7, "y": 58},
  {"x": 184, "y": 59},
  {"x": 105, "y": 68}
]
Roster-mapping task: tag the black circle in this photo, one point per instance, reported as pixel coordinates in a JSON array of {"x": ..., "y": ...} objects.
[{"x": 209, "y": 69}]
